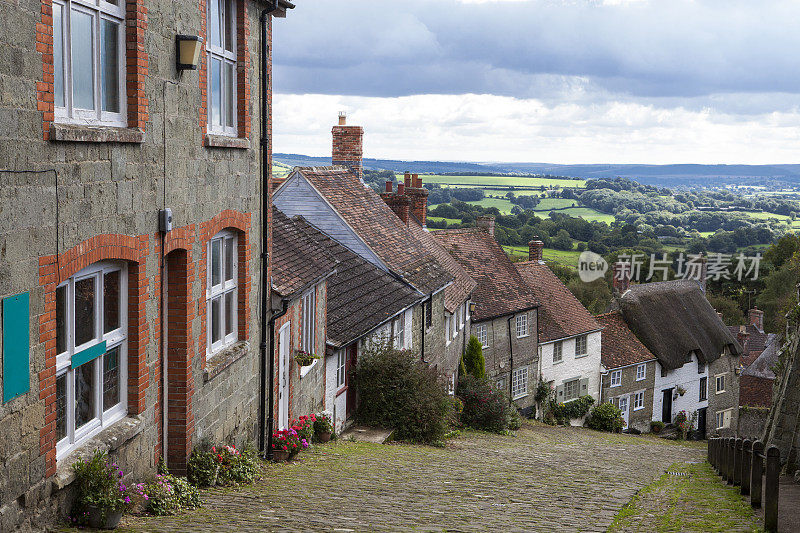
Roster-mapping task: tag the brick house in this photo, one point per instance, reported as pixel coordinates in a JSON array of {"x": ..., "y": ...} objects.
[
  {"x": 506, "y": 309},
  {"x": 116, "y": 335},
  {"x": 569, "y": 336},
  {"x": 697, "y": 367},
  {"x": 301, "y": 269},
  {"x": 336, "y": 201},
  {"x": 628, "y": 372},
  {"x": 758, "y": 378}
]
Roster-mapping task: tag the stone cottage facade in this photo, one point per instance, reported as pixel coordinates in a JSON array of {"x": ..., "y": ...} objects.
[{"x": 117, "y": 335}]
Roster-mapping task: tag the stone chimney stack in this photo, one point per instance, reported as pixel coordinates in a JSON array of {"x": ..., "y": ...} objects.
[
  {"x": 621, "y": 277},
  {"x": 419, "y": 198},
  {"x": 535, "y": 251},
  {"x": 348, "y": 146},
  {"x": 485, "y": 222},
  {"x": 742, "y": 337},
  {"x": 756, "y": 317}
]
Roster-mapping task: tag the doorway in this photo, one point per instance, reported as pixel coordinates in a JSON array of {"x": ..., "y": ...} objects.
[
  {"x": 666, "y": 406},
  {"x": 701, "y": 423},
  {"x": 283, "y": 375},
  {"x": 623, "y": 406}
]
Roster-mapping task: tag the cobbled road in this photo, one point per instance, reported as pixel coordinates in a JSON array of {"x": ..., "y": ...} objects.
[{"x": 540, "y": 479}]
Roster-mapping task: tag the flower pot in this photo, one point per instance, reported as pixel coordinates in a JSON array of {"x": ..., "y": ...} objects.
[
  {"x": 97, "y": 520},
  {"x": 95, "y": 516},
  {"x": 112, "y": 519},
  {"x": 656, "y": 429},
  {"x": 280, "y": 456},
  {"x": 324, "y": 436}
]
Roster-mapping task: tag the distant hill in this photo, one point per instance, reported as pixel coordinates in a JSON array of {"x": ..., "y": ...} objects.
[{"x": 681, "y": 175}]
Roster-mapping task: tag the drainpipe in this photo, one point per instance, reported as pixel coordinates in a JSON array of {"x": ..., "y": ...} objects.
[
  {"x": 265, "y": 206},
  {"x": 271, "y": 417},
  {"x": 510, "y": 360}
]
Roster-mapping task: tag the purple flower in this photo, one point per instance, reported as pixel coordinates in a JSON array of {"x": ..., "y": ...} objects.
[{"x": 120, "y": 473}]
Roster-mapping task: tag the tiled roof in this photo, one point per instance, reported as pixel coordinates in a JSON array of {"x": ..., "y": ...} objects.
[
  {"x": 378, "y": 226},
  {"x": 756, "y": 342},
  {"x": 755, "y": 391},
  {"x": 500, "y": 288},
  {"x": 463, "y": 285},
  {"x": 297, "y": 261},
  {"x": 674, "y": 319},
  {"x": 561, "y": 314},
  {"x": 361, "y": 296},
  {"x": 620, "y": 347}
]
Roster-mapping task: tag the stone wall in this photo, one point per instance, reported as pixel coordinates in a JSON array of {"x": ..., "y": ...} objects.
[
  {"x": 109, "y": 187},
  {"x": 726, "y": 401},
  {"x": 783, "y": 424},
  {"x": 752, "y": 421},
  {"x": 637, "y": 418}
]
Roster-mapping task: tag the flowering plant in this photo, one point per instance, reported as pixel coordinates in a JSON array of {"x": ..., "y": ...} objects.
[
  {"x": 323, "y": 423},
  {"x": 288, "y": 440},
  {"x": 99, "y": 484},
  {"x": 166, "y": 494},
  {"x": 684, "y": 423},
  {"x": 304, "y": 358},
  {"x": 304, "y": 426}
]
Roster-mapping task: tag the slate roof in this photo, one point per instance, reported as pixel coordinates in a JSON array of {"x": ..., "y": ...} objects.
[
  {"x": 361, "y": 296},
  {"x": 377, "y": 225},
  {"x": 674, "y": 319},
  {"x": 762, "y": 366},
  {"x": 756, "y": 341},
  {"x": 500, "y": 290},
  {"x": 297, "y": 261},
  {"x": 560, "y": 314},
  {"x": 620, "y": 347},
  {"x": 463, "y": 285}
]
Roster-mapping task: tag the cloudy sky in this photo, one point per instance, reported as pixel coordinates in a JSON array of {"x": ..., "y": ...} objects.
[{"x": 556, "y": 81}]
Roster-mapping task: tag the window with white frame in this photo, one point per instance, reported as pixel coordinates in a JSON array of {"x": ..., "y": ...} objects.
[
  {"x": 482, "y": 334},
  {"x": 91, "y": 346},
  {"x": 641, "y": 372},
  {"x": 221, "y": 48},
  {"x": 462, "y": 314},
  {"x": 558, "y": 351},
  {"x": 448, "y": 318},
  {"x": 222, "y": 291},
  {"x": 638, "y": 401},
  {"x": 399, "y": 327},
  {"x": 724, "y": 419},
  {"x": 572, "y": 389},
  {"x": 341, "y": 368},
  {"x": 581, "y": 346},
  {"x": 616, "y": 378},
  {"x": 720, "y": 383},
  {"x": 519, "y": 382},
  {"x": 89, "y": 61},
  {"x": 308, "y": 338},
  {"x": 522, "y": 325}
]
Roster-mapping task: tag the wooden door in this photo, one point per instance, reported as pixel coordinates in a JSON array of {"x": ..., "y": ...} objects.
[
  {"x": 666, "y": 406},
  {"x": 283, "y": 375}
]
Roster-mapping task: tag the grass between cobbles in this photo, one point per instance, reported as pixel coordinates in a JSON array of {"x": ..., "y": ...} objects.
[{"x": 697, "y": 502}]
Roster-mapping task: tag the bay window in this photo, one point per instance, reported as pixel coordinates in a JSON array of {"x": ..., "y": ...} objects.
[
  {"x": 91, "y": 346},
  {"x": 89, "y": 61},
  {"x": 221, "y": 48},
  {"x": 222, "y": 292}
]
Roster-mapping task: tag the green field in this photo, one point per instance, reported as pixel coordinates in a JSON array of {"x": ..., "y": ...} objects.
[
  {"x": 488, "y": 181},
  {"x": 448, "y": 220},
  {"x": 279, "y": 170},
  {"x": 563, "y": 257},
  {"x": 502, "y": 204},
  {"x": 555, "y": 203},
  {"x": 586, "y": 213}
]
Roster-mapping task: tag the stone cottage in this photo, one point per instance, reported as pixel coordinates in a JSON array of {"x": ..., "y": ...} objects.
[{"x": 125, "y": 328}]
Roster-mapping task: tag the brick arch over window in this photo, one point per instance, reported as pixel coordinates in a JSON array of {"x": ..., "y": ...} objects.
[
  {"x": 54, "y": 270},
  {"x": 240, "y": 223},
  {"x": 136, "y": 68}
]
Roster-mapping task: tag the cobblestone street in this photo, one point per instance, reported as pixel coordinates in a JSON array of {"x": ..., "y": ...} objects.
[{"x": 542, "y": 479}]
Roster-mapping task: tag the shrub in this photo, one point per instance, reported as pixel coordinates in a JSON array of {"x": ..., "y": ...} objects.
[
  {"x": 474, "y": 362},
  {"x": 397, "y": 390},
  {"x": 513, "y": 417},
  {"x": 99, "y": 484},
  {"x": 656, "y": 426},
  {"x": 605, "y": 417},
  {"x": 202, "y": 468},
  {"x": 223, "y": 465},
  {"x": 323, "y": 424},
  {"x": 577, "y": 408},
  {"x": 166, "y": 494},
  {"x": 484, "y": 407}
]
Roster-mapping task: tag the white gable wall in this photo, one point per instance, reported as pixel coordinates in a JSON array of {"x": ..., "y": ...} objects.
[{"x": 686, "y": 377}]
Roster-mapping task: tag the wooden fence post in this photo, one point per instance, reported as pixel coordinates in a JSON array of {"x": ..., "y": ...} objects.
[
  {"x": 772, "y": 490},
  {"x": 747, "y": 459},
  {"x": 756, "y": 472},
  {"x": 723, "y": 464},
  {"x": 737, "y": 462},
  {"x": 731, "y": 458}
]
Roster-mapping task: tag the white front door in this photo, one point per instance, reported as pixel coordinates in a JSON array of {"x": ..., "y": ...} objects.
[
  {"x": 623, "y": 406},
  {"x": 283, "y": 376}
]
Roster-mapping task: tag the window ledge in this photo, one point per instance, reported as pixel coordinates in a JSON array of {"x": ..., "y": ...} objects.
[
  {"x": 94, "y": 134},
  {"x": 515, "y": 398},
  {"x": 109, "y": 439},
  {"x": 224, "y": 141},
  {"x": 223, "y": 359},
  {"x": 581, "y": 356}
]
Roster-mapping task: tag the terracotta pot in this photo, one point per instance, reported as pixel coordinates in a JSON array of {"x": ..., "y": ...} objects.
[
  {"x": 280, "y": 456},
  {"x": 324, "y": 436}
]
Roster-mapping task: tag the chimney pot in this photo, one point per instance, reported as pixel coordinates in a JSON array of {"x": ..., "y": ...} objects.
[
  {"x": 342, "y": 118},
  {"x": 756, "y": 318},
  {"x": 407, "y": 179},
  {"x": 389, "y": 186},
  {"x": 401, "y": 189},
  {"x": 535, "y": 251}
]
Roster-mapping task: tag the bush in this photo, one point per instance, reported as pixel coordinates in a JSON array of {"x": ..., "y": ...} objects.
[
  {"x": 656, "y": 426},
  {"x": 484, "y": 407},
  {"x": 474, "y": 362},
  {"x": 577, "y": 408},
  {"x": 223, "y": 465},
  {"x": 166, "y": 494},
  {"x": 397, "y": 390},
  {"x": 202, "y": 467},
  {"x": 513, "y": 417},
  {"x": 605, "y": 417},
  {"x": 98, "y": 482}
]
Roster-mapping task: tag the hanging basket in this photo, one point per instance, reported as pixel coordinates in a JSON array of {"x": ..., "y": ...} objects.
[{"x": 304, "y": 358}]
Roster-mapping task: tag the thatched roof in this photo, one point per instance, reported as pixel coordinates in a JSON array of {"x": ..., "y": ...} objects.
[{"x": 674, "y": 319}]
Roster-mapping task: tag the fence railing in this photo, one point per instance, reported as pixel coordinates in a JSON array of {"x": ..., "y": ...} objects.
[{"x": 744, "y": 463}]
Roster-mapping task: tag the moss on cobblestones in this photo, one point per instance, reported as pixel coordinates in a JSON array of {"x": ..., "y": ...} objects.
[{"x": 542, "y": 479}]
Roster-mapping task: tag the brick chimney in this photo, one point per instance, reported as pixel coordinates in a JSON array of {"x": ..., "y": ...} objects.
[
  {"x": 348, "y": 146},
  {"x": 419, "y": 198},
  {"x": 486, "y": 223},
  {"x": 535, "y": 251},
  {"x": 742, "y": 337},
  {"x": 398, "y": 202},
  {"x": 755, "y": 317},
  {"x": 621, "y": 277}
]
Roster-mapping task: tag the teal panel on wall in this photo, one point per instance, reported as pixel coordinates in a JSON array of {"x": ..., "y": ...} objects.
[
  {"x": 88, "y": 354},
  {"x": 16, "y": 346}
]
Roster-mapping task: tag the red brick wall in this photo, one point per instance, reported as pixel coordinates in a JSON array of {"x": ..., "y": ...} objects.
[
  {"x": 348, "y": 147},
  {"x": 137, "y": 65}
]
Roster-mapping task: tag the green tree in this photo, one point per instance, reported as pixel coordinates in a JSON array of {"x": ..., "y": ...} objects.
[
  {"x": 474, "y": 362},
  {"x": 731, "y": 312}
]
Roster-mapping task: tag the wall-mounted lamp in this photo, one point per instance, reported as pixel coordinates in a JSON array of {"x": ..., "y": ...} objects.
[
  {"x": 472, "y": 308},
  {"x": 187, "y": 51}
]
